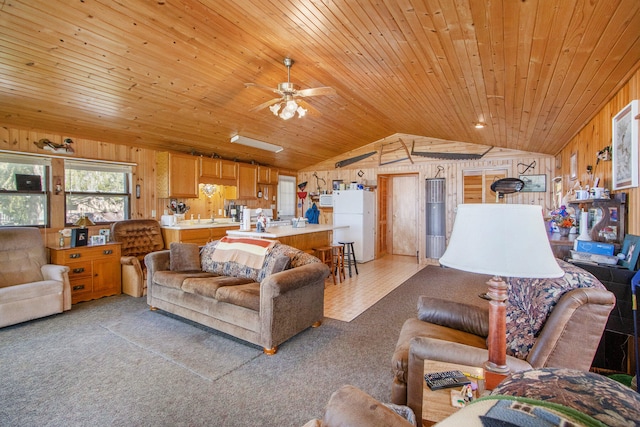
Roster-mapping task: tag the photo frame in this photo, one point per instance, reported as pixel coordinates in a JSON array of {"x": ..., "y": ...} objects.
[
  {"x": 573, "y": 167},
  {"x": 97, "y": 240},
  {"x": 336, "y": 184},
  {"x": 534, "y": 183},
  {"x": 631, "y": 250},
  {"x": 106, "y": 233},
  {"x": 79, "y": 237},
  {"x": 624, "y": 147}
]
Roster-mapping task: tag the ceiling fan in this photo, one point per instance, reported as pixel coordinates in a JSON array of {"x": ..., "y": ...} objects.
[{"x": 288, "y": 104}]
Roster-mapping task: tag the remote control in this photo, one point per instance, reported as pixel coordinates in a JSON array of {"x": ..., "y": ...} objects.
[{"x": 446, "y": 379}]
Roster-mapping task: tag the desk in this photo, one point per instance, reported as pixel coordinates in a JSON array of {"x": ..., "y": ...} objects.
[{"x": 436, "y": 404}]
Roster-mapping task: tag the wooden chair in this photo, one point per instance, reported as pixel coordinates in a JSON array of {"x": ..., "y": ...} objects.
[{"x": 325, "y": 254}]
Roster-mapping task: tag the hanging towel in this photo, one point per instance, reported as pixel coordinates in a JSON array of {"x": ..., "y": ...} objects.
[{"x": 313, "y": 214}]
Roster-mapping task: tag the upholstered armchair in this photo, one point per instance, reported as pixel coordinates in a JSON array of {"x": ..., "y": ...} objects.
[
  {"x": 30, "y": 288},
  {"x": 139, "y": 237},
  {"x": 550, "y": 323}
]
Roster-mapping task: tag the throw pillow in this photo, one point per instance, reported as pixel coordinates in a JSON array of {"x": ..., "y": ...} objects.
[
  {"x": 531, "y": 301},
  {"x": 274, "y": 264},
  {"x": 184, "y": 257}
]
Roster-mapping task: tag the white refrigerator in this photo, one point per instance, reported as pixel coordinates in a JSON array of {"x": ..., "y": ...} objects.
[{"x": 355, "y": 208}]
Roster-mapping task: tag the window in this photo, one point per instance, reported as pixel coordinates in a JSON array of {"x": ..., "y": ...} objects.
[
  {"x": 101, "y": 191},
  {"x": 286, "y": 197},
  {"x": 23, "y": 190}
]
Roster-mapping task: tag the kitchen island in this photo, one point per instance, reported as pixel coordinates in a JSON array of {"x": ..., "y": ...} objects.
[
  {"x": 303, "y": 238},
  {"x": 199, "y": 233}
]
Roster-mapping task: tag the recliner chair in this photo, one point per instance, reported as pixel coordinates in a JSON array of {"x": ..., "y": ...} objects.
[
  {"x": 570, "y": 314},
  {"x": 30, "y": 288},
  {"x": 139, "y": 237}
]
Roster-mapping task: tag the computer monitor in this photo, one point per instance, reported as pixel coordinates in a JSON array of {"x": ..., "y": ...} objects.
[{"x": 28, "y": 182}]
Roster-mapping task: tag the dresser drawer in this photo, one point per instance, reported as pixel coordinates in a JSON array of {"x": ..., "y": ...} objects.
[{"x": 79, "y": 269}]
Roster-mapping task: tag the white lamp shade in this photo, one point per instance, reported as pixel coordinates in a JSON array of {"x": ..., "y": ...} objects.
[{"x": 501, "y": 240}]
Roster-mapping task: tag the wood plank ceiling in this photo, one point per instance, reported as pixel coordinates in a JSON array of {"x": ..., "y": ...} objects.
[{"x": 170, "y": 74}]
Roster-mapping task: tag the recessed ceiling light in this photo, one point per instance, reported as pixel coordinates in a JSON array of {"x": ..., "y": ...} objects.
[{"x": 480, "y": 125}]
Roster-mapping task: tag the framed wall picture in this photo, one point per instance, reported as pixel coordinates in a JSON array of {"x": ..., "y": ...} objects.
[
  {"x": 631, "y": 250},
  {"x": 97, "y": 240},
  {"x": 79, "y": 237},
  {"x": 534, "y": 183},
  {"x": 625, "y": 147},
  {"x": 573, "y": 167}
]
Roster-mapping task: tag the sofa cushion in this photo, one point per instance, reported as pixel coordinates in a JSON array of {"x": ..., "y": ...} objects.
[
  {"x": 174, "y": 279},
  {"x": 184, "y": 257},
  {"x": 208, "y": 286},
  {"x": 531, "y": 301},
  {"x": 247, "y": 295},
  {"x": 464, "y": 317}
]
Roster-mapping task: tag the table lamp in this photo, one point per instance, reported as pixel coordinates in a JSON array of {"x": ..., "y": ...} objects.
[
  {"x": 84, "y": 222},
  {"x": 506, "y": 240}
]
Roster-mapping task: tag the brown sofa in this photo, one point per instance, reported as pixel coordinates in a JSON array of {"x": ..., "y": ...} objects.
[
  {"x": 139, "y": 237},
  {"x": 29, "y": 287},
  {"x": 550, "y": 323},
  {"x": 265, "y": 307}
]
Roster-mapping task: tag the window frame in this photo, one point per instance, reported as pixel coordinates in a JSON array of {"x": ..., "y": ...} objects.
[
  {"x": 99, "y": 166},
  {"x": 45, "y": 162}
]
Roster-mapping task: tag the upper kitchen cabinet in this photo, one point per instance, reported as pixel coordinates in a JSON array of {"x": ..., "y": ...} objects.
[
  {"x": 218, "y": 171},
  {"x": 247, "y": 181},
  {"x": 177, "y": 175},
  {"x": 267, "y": 175},
  {"x": 228, "y": 169}
]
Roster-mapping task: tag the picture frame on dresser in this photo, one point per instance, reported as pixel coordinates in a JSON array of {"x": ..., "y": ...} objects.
[
  {"x": 98, "y": 240},
  {"x": 625, "y": 147},
  {"x": 79, "y": 237}
]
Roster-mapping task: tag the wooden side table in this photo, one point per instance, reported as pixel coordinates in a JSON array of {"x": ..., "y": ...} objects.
[
  {"x": 436, "y": 404},
  {"x": 94, "y": 271}
]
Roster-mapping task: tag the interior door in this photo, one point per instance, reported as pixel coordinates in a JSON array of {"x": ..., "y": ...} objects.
[
  {"x": 383, "y": 215},
  {"x": 404, "y": 208}
]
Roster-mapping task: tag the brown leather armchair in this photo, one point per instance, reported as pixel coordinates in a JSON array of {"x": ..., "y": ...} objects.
[
  {"x": 453, "y": 332},
  {"x": 139, "y": 237}
]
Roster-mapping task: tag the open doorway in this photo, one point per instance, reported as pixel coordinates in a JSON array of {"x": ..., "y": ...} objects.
[{"x": 398, "y": 214}]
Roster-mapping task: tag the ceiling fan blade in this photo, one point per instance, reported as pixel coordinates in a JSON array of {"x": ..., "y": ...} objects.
[
  {"x": 267, "y": 88},
  {"x": 308, "y": 107},
  {"x": 315, "y": 91},
  {"x": 266, "y": 104}
]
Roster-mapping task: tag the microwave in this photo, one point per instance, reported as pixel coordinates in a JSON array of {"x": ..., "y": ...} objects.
[{"x": 325, "y": 201}]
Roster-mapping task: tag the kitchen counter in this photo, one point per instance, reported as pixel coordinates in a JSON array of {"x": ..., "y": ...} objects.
[
  {"x": 304, "y": 238},
  {"x": 188, "y": 225},
  {"x": 199, "y": 233}
]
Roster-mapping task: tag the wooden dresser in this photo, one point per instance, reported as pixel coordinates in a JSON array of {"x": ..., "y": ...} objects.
[{"x": 94, "y": 271}]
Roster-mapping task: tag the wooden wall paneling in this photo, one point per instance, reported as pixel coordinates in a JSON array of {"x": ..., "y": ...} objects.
[{"x": 594, "y": 136}]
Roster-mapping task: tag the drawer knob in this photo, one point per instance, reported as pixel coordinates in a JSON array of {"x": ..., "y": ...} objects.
[
  {"x": 78, "y": 287},
  {"x": 75, "y": 255},
  {"x": 78, "y": 270},
  {"x": 107, "y": 252}
]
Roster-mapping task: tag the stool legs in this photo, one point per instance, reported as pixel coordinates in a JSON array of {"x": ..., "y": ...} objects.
[
  {"x": 325, "y": 254},
  {"x": 338, "y": 261},
  {"x": 350, "y": 256}
]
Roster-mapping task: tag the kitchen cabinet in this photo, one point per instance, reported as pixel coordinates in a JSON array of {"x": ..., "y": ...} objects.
[
  {"x": 247, "y": 181},
  {"x": 209, "y": 168},
  {"x": 177, "y": 175},
  {"x": 94, "y": 271},
  {"x": 267, "y": 175},
  {"x": 228, "y": 169}
]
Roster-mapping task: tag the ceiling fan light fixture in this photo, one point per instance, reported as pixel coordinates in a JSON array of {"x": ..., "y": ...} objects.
[
  {"x": 301, "y": 112},
  {"x": 289, "y": 110},
  {"x": 250, "y": 142},
  {"x": 275, "y": 108}
]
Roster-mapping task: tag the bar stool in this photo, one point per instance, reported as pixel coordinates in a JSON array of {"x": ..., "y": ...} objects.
[
  {"x": 350, "y": 256},
  {"x": 338, "y": 261},
  {"x": 325, "y": 254}
]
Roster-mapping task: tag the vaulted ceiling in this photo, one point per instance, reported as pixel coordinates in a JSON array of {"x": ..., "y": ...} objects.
[{"x": 170, "y": 74}]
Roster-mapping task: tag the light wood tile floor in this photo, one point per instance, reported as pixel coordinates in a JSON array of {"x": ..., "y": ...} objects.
[{"x": 347, "y": 300}]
